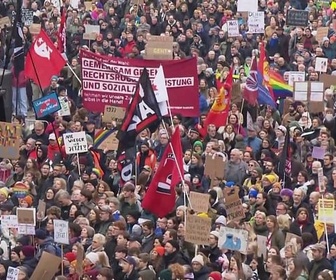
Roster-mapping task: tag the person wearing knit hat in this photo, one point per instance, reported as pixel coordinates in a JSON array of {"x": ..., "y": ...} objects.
[
  {"x": 199, "y": 270},
  {"x": 26, "y": 202},
  {"x": 96, "y": 174},
  {"x": 159, "y": 250},
  {"x": 27, "y": 252},
  {"x": 215, "y": 275},
  {"x": 70, "y": 257},
  {"x": 166, "y": 274},
  {"x": 91, "y": 258},
  {"x": 198, "y": 147},
  {"x": 286, "y": 192},
  {"x": 15, "y": 254}
]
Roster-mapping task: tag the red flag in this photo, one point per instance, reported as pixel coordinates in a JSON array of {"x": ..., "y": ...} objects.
[
  {"x": 263, "y": 67},
  {"x": 61, "y": 36},
  {"x": 250, "y": 93},
  {"x": 160, "y": 197},
  {"x": 43, "y": 60},
  {"x": 219, "y": 111}
]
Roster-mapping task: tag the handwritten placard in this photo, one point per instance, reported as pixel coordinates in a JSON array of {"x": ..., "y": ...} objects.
[
  {"x": 233, "y": 205},
  {"x": 26, "y": 216},
  {"x": 199, "y": 201},
  {"x": 46, "y": 105},
  {"x": 9, "y": 221},
  {"x": 197, "y": 230},
  {"x": 297, "y": 18},
  {"x": 113, "y": 113},
  {"x": 75, "y": 143},
  {"x": 12, "y": 273},
  {"x": 61, "y": 231},
  {"x": 106, "y": 139},
  {"x": 10, "y": 135}
]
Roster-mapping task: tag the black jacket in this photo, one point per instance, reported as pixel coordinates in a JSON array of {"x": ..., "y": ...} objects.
[
  {"x": 315, "y": 267},
  {"x": 309, "y": 227}
]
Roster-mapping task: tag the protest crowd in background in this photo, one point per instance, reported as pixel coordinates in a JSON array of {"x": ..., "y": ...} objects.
[{"x": 168, "y": 140}]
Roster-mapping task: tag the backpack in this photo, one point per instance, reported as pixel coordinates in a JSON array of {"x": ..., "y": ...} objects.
[{"x": 57, "y": 248}]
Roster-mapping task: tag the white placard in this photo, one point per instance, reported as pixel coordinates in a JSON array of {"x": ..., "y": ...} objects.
[
  {"x": 233, "y": 239},
  {"x": 317, "y": 86},
  {"x": 247, "y": 6},
  {"x": 12, "y": 273},
  {"x": 9, "y": 221},
  {"x": 61, "y": 231},
  {"x": 301, "y": 86},
  {"x": 26, "y": 229},
  {"x": 75, "y": 143},
  {"x": 295, "y": 76},
  {"x": 56, "y": 4},
  {"x": 74, "y": 4},
  {"x": 232, "y": 28},
  {"x": 316, "y": 96},
  {"x": 321, "y": 64},
  {"x": 256, "y": 22},
  {"x": 65, "y": 106}
]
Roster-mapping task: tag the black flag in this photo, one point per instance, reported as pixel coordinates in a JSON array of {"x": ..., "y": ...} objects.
[
  {"x": 18, "y": 40},
  {"x": 285, "y": 164}
]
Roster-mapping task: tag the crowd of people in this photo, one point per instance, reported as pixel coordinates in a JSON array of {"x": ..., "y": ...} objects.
[{"x": 107, "y": 224}]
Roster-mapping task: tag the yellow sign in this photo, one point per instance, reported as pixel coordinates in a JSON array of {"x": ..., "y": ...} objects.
[{"x": 326, "y": 210}]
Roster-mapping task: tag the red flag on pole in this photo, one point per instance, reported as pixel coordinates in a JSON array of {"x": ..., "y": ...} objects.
[
  {"x": 219, "y": 111},
  {"x": 250, "y": 93},
  {"x": 61, "y": 36},
  {"x": 160, "y": 197},
  {"x": 43, "y": 60}
]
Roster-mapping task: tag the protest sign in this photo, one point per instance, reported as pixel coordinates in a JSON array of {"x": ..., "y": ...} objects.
[
  {"x": 301, "y": 91},
  {"x": 262, "y": 245},
  {"x": 320, "y": 180},
  {"x": 9, "y": 221},
  {"x": 256, "y": 22},
  {"x": 46, "y": 105},
  {"x": 5, "y": 21},
  {"x": 321, "y": 64},
  {"x": 41, "y": 209},
  {"x": 35, "y": 28},
  {"x": 321, "y": 33},
  {"x": 326, "y": 209},
  {"x": 232, "y": 28},
  {"x": 61, "y": 231},
  {"x": 75, "y": 143},
  {"x": 26, "y": 229},
  {"x": 159, "y": 47},
  {"x": 74, "y": 4},
  {"x": 91, "y": 32},
  {"x": 215, "y": 165},
  {"x": 247, "y": 6},
  {"x": 26, "y": 216},
  {"x": 111, "y": 81},
  {"x": 290, "y": 237},
  {"x": 199, "y": 201},
  {"x": 318, "y": 152},
  {"x": 329, "y": 81},
  {"x": 46, "y": 267},
  {"x": 295, "y": 76},
  {"x": 12, "y": 273},
  {"x": 233, "y": 239},
  {"x": 297, "y": 18},
  {"x": 233, "y": 205},
  {"x": 79, "y": 259},
  {"x": 106, "y": 139},
  {"x": 27, "y": 17},
  {"x": 65, "y": 106},
  {"x": 10, "y": 135},
  {"x": 113, "y": 113},
  {"x": 197, "y": 230},
  {"x": 56, "y": 4}
]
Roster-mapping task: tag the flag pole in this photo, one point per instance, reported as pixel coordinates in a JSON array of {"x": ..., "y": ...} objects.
[
  {"x": 40, "y": 86},
  {"x": 73, "y": 72}
]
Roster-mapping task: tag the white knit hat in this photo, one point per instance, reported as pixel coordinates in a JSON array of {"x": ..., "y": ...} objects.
[
  {"x": 92, "y": 257},
  {"x": 199, "y": 259}
]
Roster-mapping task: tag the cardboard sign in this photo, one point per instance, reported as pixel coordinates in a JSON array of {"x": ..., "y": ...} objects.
[
  {"x": 290, "y": 237},
  {"x": 41, "y": 209},
  {"x": 12, "y": 273},
  {"x": 9, "y": 221},
  {"x": 106, "y": 139},
  {"x": 256, "y": 22},
  {"x": 318, "y": 152},
  {"x": 26, "y": 229},
  {"x": 197, "y": 230},
  {"x": 233, "y": 205},
  {"x": 79, "y": 259},
  {"x": 113, "y": 113},
  {"x": 61, "y": 231},
  {"x": 159, "y": 47},
  {"x": 75, "y": 143},
  {"x": 46, "y": 105},
  {"x": 329, "y": 81},
  {"x": 88, "y": 6},
  {"x": 26, "y": 216},
  {"x": 233, "y": 28},
  {"x": 321, "y": 33},
  {"x": 35, "y": 28},
  {"x": 5, "y": 21},
  {"x": 233, "y": 239},
  {"x": 297, "y": 18},
  {"x": 27, "y": 17},
  {"x": 262, "y": 245},
  {"x": 321, "y": 64},
  {"x": 215, "y": 165},
  {"x": 199, "y": 201},
  {"x": 326, "y": 209},
  {"x": 91, "y": 32},
  {"x": 10, "y": 135},
  {"x": 65, "y": 106},
  {"x": 47, "y": 267}
]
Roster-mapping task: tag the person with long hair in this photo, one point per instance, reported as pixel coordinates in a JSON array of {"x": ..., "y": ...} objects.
[
  {"x": 275, "y": 236},
  {"x": 297, "y": 270}
]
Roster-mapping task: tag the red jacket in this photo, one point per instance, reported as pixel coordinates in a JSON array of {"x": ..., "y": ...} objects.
[{"x": 150, "y": 159}]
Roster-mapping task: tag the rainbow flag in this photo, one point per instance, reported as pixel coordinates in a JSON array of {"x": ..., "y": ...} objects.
[
  {"x": 280, "y": 88},
  {"x": 101, "y": 135}
]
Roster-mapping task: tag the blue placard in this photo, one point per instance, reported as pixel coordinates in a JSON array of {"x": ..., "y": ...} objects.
[{"x": 46, "y": 105}]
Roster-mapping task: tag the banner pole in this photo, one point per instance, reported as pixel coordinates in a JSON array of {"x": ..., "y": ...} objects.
[
  {"x": 62, "y": 256},
  {"x": 78, "y": 165},
  {"x": 73, "y": 72}
]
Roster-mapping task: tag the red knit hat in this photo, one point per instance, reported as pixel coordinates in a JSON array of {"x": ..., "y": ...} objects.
[
  {"x": 70, "y": 256},
  {"x": 215, "y": 275},
  {"x": 160, "y": 250}
]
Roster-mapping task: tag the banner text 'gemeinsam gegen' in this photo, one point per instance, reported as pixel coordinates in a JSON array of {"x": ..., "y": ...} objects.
[{"x": 111, "y": 81}]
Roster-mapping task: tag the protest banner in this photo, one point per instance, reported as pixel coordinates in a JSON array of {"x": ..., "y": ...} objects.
[
  {"x": 111, "y": 81},
  {"x": 326, "y": 209},
  {"x": 47, "y": 267},
  {"x": 5, "y": 21},
  {"x": 65, "y": 106},
  {"x": 10, "y": 135},
  {"x": 35, "y": 28},
  {"x": 113, "y": 113},
  {"x": 233, "y": 28},
  {"x": 233, "y": 239},
  {"x": 46, "y": 105},
  {"x": 197, "y": 230},
  {"x": 27, "y": 17},
  {"x": 91, "y": 32},
  {"x": 61, "y": 231},
  {"x": 233, "y": 205},
  {"x": 26, "y": 216},
  {"x": 256, "y": 22},
  {"x": 297, "y": 18},
  {"x": 12, "y": 273},
  {"x": 199, "y": 201},
  {"x": 9, "y": 221},
  {"x": 75, "y": 143},
  {"x": 106, "y": 139}
]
